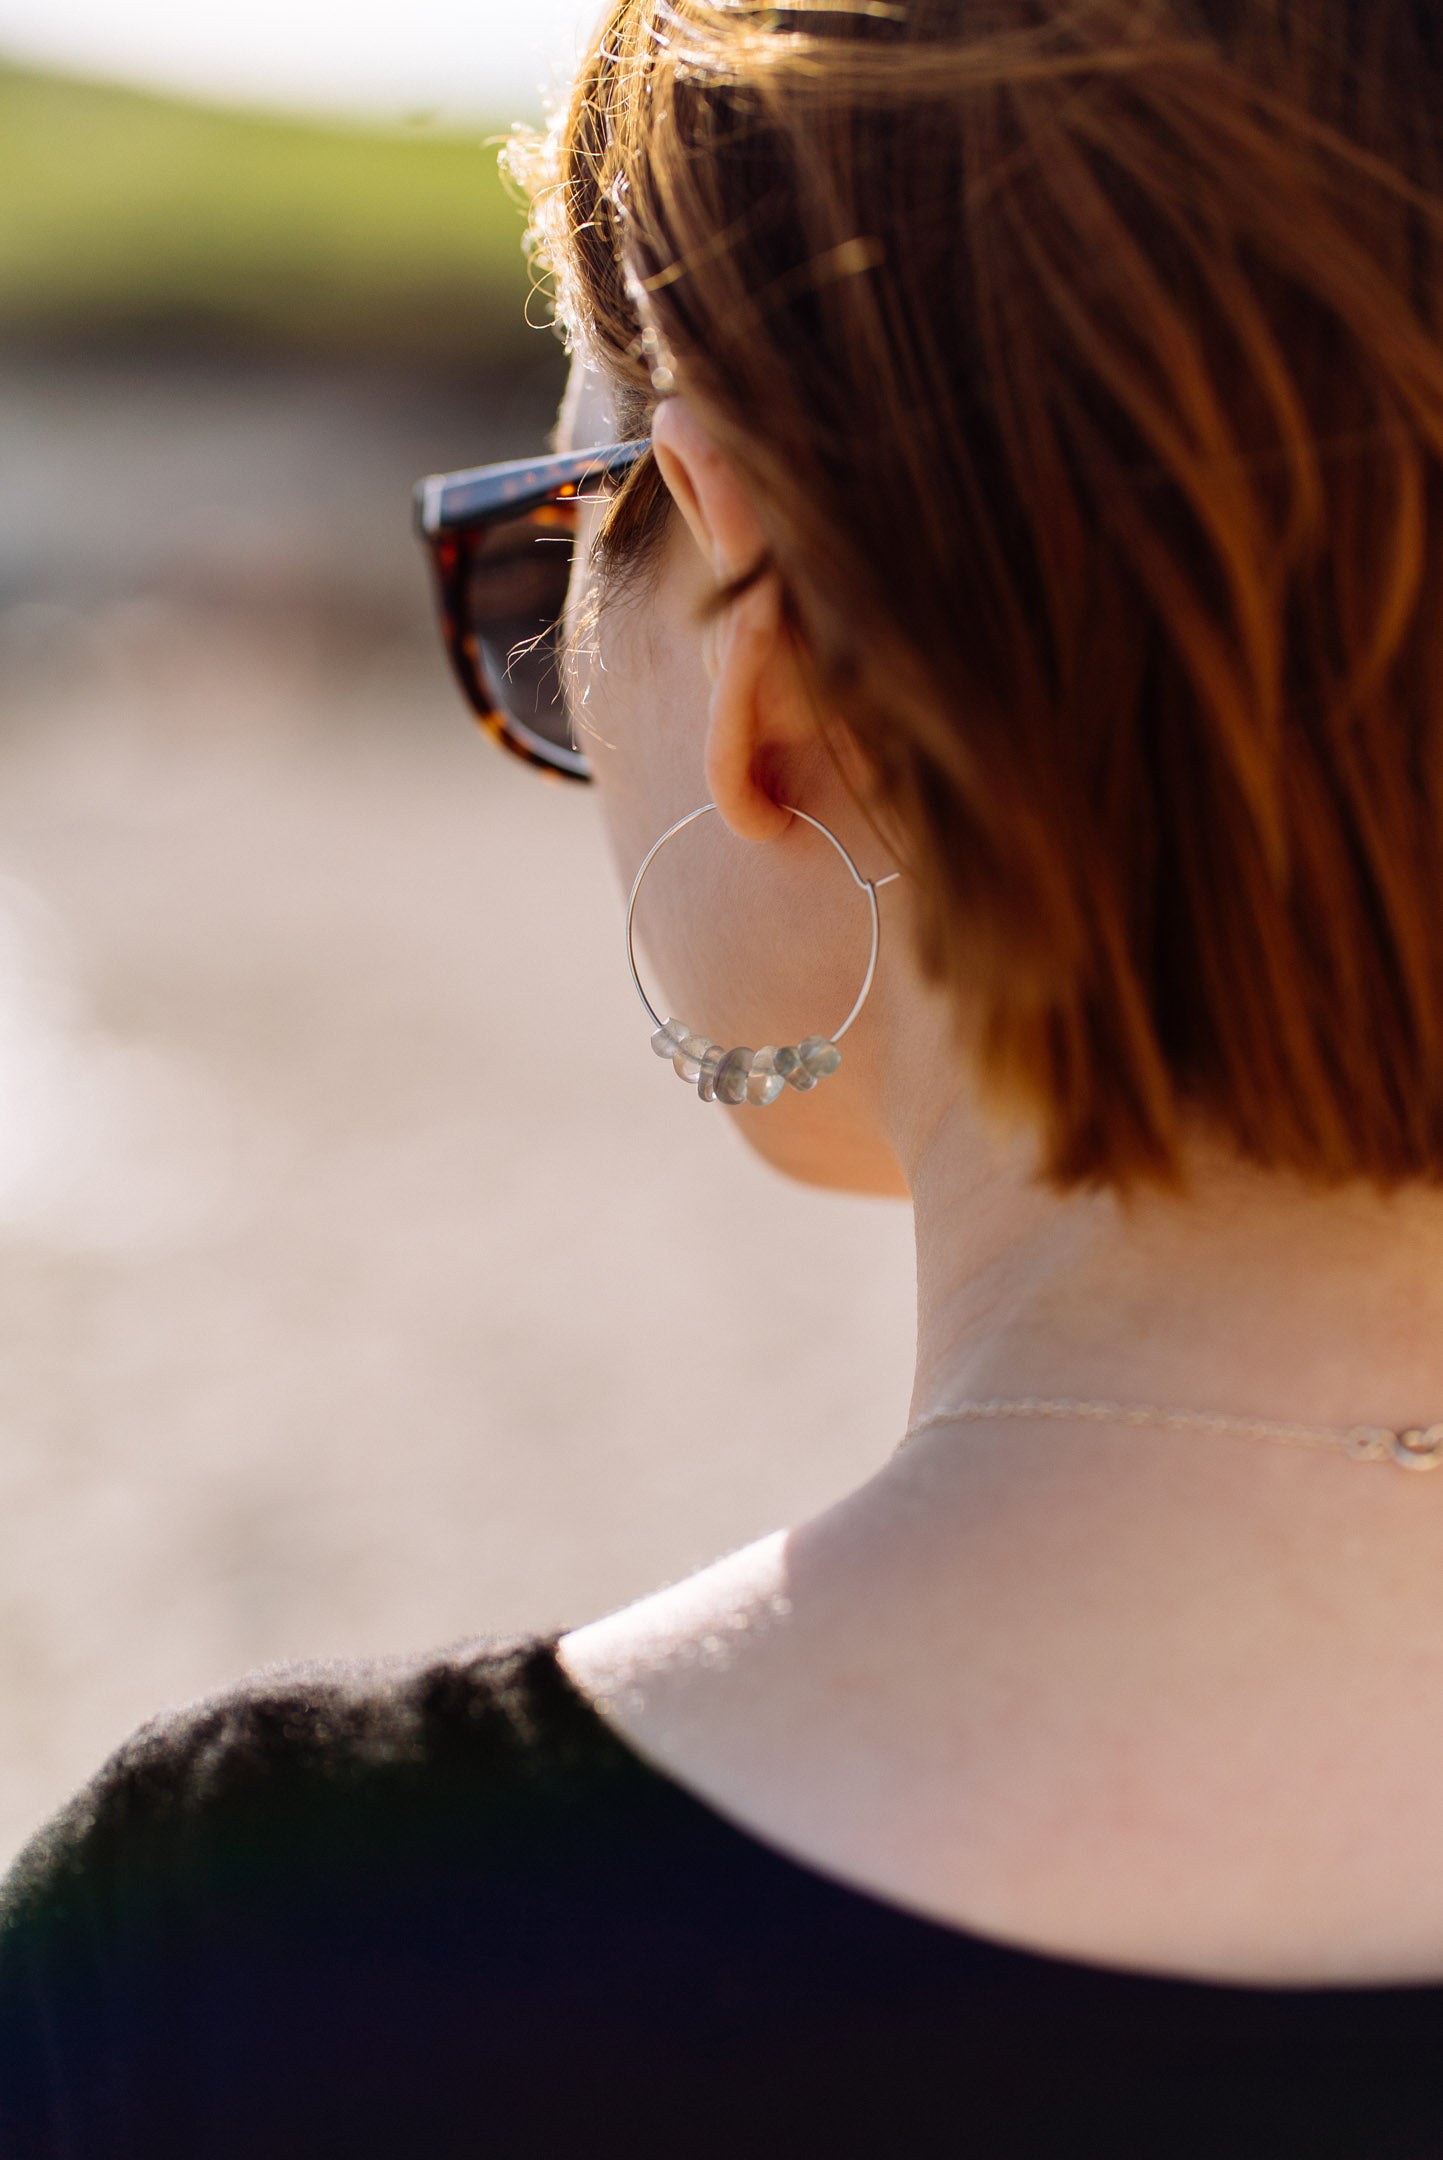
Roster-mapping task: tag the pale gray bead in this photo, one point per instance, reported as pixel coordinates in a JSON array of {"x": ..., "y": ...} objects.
[
  {"x": 819, "y": 1055},
  {"x": 711, "y": 1058},
  {"x": 764, "y": 1082},
  {"x": 688, "y": 1057},
  {"x": 664, "y": 1042},
  {"x": 793, "y": 1071},
  {"x": 731, "y": 1076}
]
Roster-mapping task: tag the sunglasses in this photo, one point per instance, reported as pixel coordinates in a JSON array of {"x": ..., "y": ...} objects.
[{"x": 501, "y": 539}]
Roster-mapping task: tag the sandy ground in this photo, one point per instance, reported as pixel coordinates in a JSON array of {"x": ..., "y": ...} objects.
[{"x": 364, "y": 1280}]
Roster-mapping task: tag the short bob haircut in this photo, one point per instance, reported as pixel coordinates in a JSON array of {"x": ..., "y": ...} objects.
[{"x": 1083, "y": 361}]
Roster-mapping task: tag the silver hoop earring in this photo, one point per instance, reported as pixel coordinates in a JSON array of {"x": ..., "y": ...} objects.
[{"x": 751, "y": 1076}]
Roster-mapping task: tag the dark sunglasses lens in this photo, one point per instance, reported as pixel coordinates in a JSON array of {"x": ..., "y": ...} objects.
[{"x": 512, "y": 598}]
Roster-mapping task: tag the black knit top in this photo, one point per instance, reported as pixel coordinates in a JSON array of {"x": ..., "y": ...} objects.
[{"x": 436, "y": 1907}]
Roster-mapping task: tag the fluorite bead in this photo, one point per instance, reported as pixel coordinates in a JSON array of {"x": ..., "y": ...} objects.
[
  {"x": 688, "y": 1056},
  {"x": 819, "y": 1055},
  {"x": 793, "y": 1071},
  {"x": 742, "y": 1075},
  {"x": 711, "y": 1058},
  {"x": 731, "y": 1076},
  {"x": 764, "y": 1082},
  {"x": 664, "y": 1042}
]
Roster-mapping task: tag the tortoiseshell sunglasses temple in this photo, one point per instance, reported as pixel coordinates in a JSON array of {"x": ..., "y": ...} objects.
[{"x": 451, "y": 508}]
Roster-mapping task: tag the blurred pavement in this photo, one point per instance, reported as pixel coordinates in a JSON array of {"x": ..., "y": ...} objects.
[{"x": 363, "y": 1283}]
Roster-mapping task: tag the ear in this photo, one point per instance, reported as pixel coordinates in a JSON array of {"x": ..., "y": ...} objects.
[{"x": 760, "y": 727}]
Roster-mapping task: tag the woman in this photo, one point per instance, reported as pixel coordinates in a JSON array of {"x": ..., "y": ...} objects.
[{"x": 1032, "y": 425}]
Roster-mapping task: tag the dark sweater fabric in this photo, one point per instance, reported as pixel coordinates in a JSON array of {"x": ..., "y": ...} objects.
[{"x": 435, "y": 1907}]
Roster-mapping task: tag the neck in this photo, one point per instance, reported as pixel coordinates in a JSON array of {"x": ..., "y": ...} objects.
[{"x": 1257, "y": 1296}]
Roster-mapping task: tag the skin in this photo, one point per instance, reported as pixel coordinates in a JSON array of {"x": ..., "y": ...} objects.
[{"x": 1151, "y": 1698}]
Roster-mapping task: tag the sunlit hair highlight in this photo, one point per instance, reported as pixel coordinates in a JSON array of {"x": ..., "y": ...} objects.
[{"x": 1083, "y": 364}]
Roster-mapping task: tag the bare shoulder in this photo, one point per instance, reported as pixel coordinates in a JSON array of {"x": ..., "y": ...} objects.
[
  {"x": 974, "y": 1733},
  {"x": 724, "y": 1683},
  {"x": 739, "y": 1683},
  {"x": 639, "y": 1658}
]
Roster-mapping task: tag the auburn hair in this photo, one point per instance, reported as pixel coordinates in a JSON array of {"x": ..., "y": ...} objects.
[{"x": 1082, "y": 359}]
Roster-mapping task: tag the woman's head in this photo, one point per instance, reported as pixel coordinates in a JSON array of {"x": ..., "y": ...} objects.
[{"x": 1072, "y": 374}]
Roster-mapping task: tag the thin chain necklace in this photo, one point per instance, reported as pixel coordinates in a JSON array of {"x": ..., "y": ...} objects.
[{"x": 1413, "y": 1448}]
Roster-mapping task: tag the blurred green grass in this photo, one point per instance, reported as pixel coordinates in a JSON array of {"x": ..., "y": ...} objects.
[{"x": 133, "y": 219}]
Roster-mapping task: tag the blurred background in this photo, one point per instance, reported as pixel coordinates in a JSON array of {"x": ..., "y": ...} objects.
[{"x": 364, "y": 1284}]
